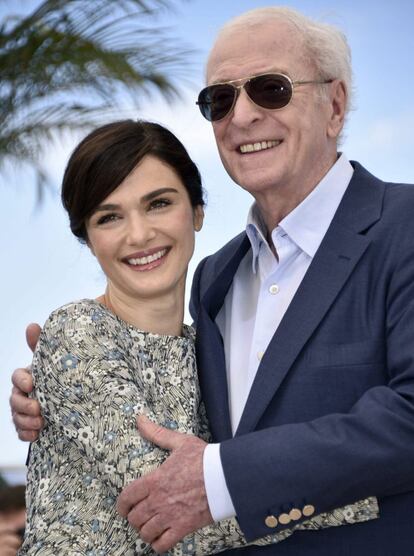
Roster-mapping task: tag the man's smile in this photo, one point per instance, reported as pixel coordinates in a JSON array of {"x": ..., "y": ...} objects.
[{"x": 258, "y": 146}]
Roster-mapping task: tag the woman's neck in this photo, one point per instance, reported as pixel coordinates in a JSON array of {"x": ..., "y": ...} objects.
[{"x": 163, "y": 315}]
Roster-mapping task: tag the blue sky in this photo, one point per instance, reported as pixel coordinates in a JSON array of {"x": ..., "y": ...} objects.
[{"x": 44, "y": 266}]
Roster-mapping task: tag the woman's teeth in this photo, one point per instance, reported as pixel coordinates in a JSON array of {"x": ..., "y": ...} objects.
[{"x": 148, "y": 259}]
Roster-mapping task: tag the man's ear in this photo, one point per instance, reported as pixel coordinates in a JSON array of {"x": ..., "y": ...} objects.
[
  {"x": 198, "y": 218},
  {"x": 338, "y": 98}
]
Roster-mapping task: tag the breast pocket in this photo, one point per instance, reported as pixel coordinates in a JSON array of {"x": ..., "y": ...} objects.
[{"x": 367, "y": 352}]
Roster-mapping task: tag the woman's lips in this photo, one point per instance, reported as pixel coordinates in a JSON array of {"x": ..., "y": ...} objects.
[{"x": 146, "y": 260}]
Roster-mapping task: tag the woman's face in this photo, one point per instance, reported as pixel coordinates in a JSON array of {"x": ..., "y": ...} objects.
[{"x": 143, "y": 233}]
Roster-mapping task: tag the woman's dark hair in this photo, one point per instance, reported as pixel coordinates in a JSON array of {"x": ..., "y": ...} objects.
[{"x": 101, "y": 162}]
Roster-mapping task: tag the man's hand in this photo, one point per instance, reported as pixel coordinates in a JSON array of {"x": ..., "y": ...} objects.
[
  {"x": 171, "y": 502},
  {"x": 10, "y": 542},
  {"x": 26, "y": 412}
]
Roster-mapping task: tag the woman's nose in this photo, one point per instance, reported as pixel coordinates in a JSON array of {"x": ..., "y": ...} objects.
[{"x": 139, "y": 231}]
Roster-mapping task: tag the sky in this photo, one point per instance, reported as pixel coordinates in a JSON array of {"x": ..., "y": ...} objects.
[{"x": 44, "y": 266}]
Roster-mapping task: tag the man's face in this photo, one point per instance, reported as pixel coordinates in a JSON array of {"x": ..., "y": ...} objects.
[{"x": 299, "y": 139}]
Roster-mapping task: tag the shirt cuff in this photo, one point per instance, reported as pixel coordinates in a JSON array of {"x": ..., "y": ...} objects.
[{"x": 218, "y": 496}]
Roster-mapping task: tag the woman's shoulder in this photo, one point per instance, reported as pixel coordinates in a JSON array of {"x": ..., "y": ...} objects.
[
  {"x": 82, "y": 330},
  {"x": 83, "y": 314},
  {"x": 78, "y": 308}
]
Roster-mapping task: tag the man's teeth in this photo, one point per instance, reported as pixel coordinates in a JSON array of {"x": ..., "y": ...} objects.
[
  {"x": 253, "y": 147},
  {"x": 148, "y": 259}
]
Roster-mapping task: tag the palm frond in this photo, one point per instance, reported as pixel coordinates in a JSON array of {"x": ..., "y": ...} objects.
[{"x": 68, "y": 63}]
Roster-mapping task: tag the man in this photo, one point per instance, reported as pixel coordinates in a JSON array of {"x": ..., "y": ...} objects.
[{"x": 305, "y": 323}]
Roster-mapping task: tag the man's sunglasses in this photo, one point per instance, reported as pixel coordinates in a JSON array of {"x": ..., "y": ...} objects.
[{"x": 271, "y": 90}]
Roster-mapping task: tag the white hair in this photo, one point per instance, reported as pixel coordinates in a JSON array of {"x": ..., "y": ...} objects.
[{"x": 324, "y": 44}]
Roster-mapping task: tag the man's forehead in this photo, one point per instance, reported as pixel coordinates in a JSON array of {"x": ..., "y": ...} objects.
[{"x": 240, "y": 53}]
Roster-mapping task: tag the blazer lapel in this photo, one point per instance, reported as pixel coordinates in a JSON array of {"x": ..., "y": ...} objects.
[
  {"x": 209, "y": 347},
  {"x": 340, "y": 250}
]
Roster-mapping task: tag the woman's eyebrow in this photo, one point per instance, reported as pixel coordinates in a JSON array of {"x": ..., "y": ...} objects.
[
  {"x": 157, "y": 192},
  {"x": 105, "y": 207},
  {"x": 145, "y": 198}
]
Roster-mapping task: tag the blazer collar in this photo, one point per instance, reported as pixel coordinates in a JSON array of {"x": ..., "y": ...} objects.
[
  {"x": 228, "y": 263},
  {"x": 209, "y": 343}
]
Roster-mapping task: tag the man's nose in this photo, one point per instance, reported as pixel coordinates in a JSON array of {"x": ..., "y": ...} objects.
[{"x": 245, "y": 111}]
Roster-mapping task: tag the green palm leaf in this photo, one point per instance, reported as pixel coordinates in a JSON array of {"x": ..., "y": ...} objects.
[{"x": 67, "y": 64}]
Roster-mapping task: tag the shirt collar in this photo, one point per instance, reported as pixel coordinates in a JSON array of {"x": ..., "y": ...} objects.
[{"x": 307, "y": 224}]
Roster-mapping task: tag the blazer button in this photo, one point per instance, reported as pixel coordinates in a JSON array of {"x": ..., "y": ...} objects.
[
  {"x": 271, "y": 521},
  {"x": 284, "y": 519},
  {"x": 308, "y": 510},
  {"x": 295, "y": 514}
]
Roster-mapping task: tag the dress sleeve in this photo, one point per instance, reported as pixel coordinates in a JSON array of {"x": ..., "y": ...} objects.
[{"x": 89, "y": 394}]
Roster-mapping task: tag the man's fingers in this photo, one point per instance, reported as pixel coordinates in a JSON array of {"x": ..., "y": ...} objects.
[
  {"x": 162, "y": 437},
  {"x": 152, "y": 529},
  {"x": 20, "y": 403},
  {"x": 132, "y": 495},
  {"x": 27, "y": 435},
  {"x": 27, "y": 423},
  {"x": 22, "y": 380},
  {"x": 25, "y": 412},
  {"x": 166, "y": 541},
  {"x": 173, "y": 495},
  {"x": 140, "y": 514},
  {"x": 32, "y": 335}
]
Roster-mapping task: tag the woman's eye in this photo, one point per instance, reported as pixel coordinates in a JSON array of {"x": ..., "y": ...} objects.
[
  {"x": 159, "y": 204},
  {"x": 107, "y": 218}
]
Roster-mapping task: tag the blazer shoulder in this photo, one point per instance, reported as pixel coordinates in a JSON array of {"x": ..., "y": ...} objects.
[
  {"x": 395, "y": 191},
  {"x": 399, "y": 194},
  {"x": 398, "y": 206},
  {"x": 214, "y": 263},
  {"x": 208, "y": 270},
  {"x": 371, "y": 201}
]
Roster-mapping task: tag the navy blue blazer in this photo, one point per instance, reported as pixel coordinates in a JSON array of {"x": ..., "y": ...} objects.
[{"x": 330, "y": 416}]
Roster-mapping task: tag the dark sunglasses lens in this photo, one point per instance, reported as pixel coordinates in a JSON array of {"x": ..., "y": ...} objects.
[
  {"x": 216, "y": 101},
  {"x": 269, "y": 91}
]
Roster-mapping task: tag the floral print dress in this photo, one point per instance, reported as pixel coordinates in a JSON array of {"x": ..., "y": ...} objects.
[{"x": 93, "y": 374}]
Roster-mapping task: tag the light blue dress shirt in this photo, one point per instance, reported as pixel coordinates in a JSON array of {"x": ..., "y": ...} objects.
[{"x": 262, "y": 289}]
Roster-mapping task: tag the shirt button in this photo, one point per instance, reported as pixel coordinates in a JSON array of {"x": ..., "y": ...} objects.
[
  {"x": 274, "y": 288},
  {"x": 260, "y": 355}
]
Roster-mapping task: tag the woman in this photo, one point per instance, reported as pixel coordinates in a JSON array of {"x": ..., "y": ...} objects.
[{"x": 134, "y": 197}]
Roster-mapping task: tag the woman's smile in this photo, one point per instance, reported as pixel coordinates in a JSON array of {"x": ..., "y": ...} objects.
[{"x": 147, "y": 260}]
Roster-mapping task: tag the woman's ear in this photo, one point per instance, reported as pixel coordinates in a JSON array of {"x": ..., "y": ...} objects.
[{"x": 198, "y": 218}]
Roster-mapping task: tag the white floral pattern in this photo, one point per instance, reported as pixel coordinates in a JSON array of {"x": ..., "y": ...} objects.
[{"x": 93, "y": 374}]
